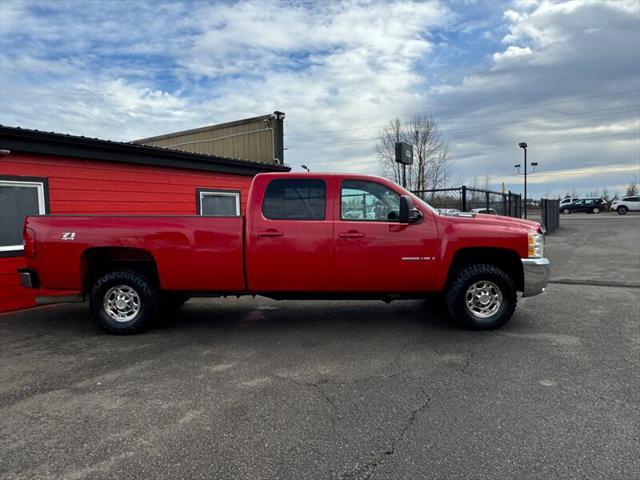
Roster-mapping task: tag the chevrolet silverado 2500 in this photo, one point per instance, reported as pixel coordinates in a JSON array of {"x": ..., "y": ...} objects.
[{"x": 303, "y": 236}]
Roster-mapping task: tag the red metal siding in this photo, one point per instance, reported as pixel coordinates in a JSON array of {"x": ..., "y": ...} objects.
[{"x": 87, "y": 186}]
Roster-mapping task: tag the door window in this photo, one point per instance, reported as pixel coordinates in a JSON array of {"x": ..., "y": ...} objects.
[
  {"x": 296, "y": 199},
  {"x": 18, "y": 199},
  {"x": 368, "y": 201}
]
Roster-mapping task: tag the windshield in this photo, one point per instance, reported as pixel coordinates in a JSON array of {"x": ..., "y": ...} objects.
[
  {"x": 416, "y": 199},
  {"x": 422, "y": 202}
]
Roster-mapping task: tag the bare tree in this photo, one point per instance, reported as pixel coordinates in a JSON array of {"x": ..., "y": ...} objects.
[
  {"x": 632, "y": 189},
  {"x": 430, "y": 153}
]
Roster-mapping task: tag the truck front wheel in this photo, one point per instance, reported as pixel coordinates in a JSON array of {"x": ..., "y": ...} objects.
[
  {"x": 481, "y": 297},
  {"x": 124, "y": 302}
]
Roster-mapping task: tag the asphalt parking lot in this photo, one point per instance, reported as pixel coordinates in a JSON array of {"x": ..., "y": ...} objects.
[{"x": 255, "y": 388}]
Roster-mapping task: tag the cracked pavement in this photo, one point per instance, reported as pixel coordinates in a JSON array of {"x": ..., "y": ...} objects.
[{"x": 254, "y": 388}]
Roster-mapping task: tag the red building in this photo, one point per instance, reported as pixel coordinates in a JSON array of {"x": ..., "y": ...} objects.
[{"x": 50, "y": 173}]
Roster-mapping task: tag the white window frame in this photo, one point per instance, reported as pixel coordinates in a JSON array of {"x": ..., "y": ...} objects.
[
  {"x": 218, "y": 193},
  {"x": 42, "y": 209}
]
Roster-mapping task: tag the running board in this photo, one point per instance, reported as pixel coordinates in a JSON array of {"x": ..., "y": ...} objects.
[{"x": 51, "y": 299}]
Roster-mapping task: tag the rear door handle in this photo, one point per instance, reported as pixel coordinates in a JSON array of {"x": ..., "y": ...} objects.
[
  {"x": 270, "y": 233},
  {"x": 351, "y": 234}
]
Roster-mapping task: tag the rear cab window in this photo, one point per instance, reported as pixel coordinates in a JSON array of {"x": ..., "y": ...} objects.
[{"x": 295, "y": 199}]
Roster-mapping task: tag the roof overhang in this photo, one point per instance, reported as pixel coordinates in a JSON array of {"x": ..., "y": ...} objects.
[{"x": 71, "y": 146}]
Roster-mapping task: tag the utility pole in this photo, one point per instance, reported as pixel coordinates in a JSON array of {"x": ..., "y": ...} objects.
[{"x": 523, "y": 145}]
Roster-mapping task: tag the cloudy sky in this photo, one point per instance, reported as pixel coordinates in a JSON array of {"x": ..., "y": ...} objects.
[{"x": 563, "y": 76}]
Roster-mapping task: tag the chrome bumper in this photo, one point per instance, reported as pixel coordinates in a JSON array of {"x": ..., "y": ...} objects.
[{"x": 536, "y": 276}]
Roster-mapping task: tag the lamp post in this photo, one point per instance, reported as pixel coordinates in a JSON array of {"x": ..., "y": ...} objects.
[
  {"x": 523, "y": 145},
  {"x": 305, "y": 167}
]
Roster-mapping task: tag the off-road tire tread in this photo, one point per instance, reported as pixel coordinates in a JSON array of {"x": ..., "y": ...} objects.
[
  {"x": 149, "y": 297},
  {"x": 456, "y": 289}
]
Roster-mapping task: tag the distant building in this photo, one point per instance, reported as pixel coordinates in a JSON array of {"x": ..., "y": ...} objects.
[{"x": 259, "y": 139}]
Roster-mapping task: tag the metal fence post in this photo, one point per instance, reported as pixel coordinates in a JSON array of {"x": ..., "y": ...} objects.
[
  {"x": 487, "y": 200},
  {"x": 509, "y": 200},
  {"x": 463, "y": 195}
]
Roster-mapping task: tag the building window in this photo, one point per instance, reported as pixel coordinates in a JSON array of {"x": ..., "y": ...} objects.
[
  {"x": 218, "y": 203},
  {"x": 19, "y": 198},
  {"x": 295, "y": 200}
]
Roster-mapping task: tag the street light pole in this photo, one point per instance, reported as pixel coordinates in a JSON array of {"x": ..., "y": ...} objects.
[
  {"x": 523, "y": 145},
  {"x": 525, "y": 179}
]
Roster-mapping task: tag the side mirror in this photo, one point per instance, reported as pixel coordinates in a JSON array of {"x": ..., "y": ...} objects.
[{"x": 406, "y": 205}]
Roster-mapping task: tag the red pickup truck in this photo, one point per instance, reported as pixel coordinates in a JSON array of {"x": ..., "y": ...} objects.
[{"x": 303, "y": 236}]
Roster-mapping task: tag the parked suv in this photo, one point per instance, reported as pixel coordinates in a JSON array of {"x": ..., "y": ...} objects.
[
  {"x": 588, "y": 205},
  {"x": 486, "y": 211},
  {"x": 626, "y": 204},
  {"x": 567, "y": 201}
]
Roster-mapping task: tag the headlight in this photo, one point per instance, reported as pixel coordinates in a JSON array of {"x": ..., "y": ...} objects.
[{"x": 536, "y": 245}]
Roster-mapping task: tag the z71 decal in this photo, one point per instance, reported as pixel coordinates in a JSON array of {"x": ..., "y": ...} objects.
[{"x": 69, "y": 236}]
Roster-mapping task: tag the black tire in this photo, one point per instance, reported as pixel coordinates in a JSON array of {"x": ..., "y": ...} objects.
[
  {"x": 566, "y": 211},
  {"x": 456, "y": 293},
  {"x": 148, "y": 301},
  {"x": 622, "y": 210}
]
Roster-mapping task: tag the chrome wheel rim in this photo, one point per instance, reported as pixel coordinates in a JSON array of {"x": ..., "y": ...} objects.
[
  {"x": 483, "y": 299},
  {"x": 122, "y": 303}
]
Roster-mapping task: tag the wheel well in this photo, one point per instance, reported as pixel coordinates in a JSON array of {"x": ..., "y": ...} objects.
[
  {"x": 503, "y": 258},
  {"x": 96, "y": 262}
]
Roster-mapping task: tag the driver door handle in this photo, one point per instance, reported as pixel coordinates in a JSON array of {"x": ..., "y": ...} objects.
[
  {"x": 351, "y": 234},
  {"x": 272, "y": 232}
]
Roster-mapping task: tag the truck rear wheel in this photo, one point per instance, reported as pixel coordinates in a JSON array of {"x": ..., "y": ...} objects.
[
  {"x": 481, "y": 297},
  {"x": 124, "y": 302}
]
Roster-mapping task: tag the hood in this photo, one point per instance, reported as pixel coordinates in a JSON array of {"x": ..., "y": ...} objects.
[{"x": 497, "y": 220}]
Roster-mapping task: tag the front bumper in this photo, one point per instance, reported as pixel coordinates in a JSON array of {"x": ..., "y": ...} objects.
[{"x": 536, "y": 276}]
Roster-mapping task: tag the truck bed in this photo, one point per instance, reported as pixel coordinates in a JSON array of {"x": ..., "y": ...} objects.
[{"x": 192, "y": 253}]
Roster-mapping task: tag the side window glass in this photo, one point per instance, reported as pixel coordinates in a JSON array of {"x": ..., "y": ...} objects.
[
  {"x": 296, "y": 199},
  {"x": 366, "y": 200}
]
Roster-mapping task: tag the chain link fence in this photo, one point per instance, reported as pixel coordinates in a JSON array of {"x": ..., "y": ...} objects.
[{"x": 466, "y": 199}]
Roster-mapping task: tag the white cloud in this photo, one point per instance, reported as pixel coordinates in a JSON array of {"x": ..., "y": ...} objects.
[{"x": 511, "y": 52}]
